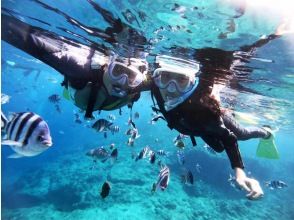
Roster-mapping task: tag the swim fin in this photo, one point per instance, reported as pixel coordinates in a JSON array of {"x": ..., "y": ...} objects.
[
  {"x": 267, "y": 147},
  {"x": 66, "y": 94}
]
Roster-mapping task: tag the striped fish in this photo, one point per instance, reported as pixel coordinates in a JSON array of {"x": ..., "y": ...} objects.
[
  {"x": 114, "y": 129},
  {"x": 275, "y": 184},
  {"x": 152, "y": 156},
  {"x": 27, "y": 134},
  {"x": 143, "y": 153},
  {"x": 102, "y": 125},
  {"x": 163, "y": 178},
  {"x": 102, "y": 154},
  {"x": 162, "y": 153},
  {"x": 188, "y": 178}
]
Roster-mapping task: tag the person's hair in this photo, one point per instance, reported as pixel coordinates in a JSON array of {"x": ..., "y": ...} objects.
[{"x": 203, "y": 94}]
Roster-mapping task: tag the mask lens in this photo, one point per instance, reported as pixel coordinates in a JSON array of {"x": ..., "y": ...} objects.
[
  {"x": 119, "y": 70},
  {"x": 182, "y": 82}
]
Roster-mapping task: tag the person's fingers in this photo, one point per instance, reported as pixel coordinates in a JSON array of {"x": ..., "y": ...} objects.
[
  {"x": 254, "y": 195},
  {"x": 250, "y": 194},
  {"x": 244, "y": 186},
  {"x": 257, "y": 195}
]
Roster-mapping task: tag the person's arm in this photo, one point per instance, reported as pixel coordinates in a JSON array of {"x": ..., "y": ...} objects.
[{"x": 68, "y": 57}]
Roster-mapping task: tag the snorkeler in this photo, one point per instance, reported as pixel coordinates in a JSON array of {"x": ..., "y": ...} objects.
[
  {"x": 95, "y": 78},
  {"x": 185, "y": 95}
]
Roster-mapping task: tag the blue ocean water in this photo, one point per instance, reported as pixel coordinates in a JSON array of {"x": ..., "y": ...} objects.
[{"x": 61, "y": 183}]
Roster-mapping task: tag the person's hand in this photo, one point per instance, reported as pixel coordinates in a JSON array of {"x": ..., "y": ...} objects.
[
  {"x": 251, "y": 185},
  {"x": 285, "y": 27}
]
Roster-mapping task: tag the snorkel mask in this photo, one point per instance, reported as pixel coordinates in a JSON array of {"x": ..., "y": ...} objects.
[
  {"x": 176, "y": 78},
  {"x": 124, "y": 76}
]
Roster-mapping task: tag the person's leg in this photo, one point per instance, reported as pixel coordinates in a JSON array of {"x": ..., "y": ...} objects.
[
  {"x": 243, "y": 133},
  {"x": 70, "y": 58}
]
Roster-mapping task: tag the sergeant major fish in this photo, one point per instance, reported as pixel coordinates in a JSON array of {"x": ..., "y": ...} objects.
[
  {"x": 276, "y": 184},
  {"x": 152, "y": 157},
  {"x": 111, "y": 117},
  {"x": 143, "y": 153},
  {"x": 114, "y": 129},
  {"x": 162, "y": 153},
  {"x": 27, "y": 134},
  {"x": 101, "y": 125},
  {"x": 163, "y": 179},
  {"x": 188, "y": 178},
  {"x": 102, "y": 154}
]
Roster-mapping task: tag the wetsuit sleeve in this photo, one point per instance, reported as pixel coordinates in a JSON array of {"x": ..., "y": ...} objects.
[
  {"x": 232, "y": 149},
  {"x": 228, "y": 142},
  {"x": 66, "y": 56}
]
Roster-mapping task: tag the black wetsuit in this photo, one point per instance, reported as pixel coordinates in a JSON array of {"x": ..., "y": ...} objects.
[
  {"x": 71, "y": 58},
  {"x": 54, "y": 50},
  {"x": 200, "y": 114}
]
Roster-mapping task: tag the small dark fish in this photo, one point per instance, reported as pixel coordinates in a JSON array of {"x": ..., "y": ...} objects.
[
  {"x": 179, "y": 8},
  {"x": 152, "y": 156},
  {"x": 135, "y": 134},
  {"x": 57, "y": 107},
  {"x": 276, "y": 184},
  {"x": 78, "y": 121},
  {"x": 129, "y": 121},
  {"x": 105, "y": 134},
  {"x": 54, "y": 98},
  {"x": 180, "y": 137},
  {"x": 112, "y": 146},
  {"x": 162, "y": 153},
  {"x": 105, "y": 190},
  {"x": 180, "y": 144},
  {"x": 188, "y": 178},
  {"x": 77, "y": 118},
  {"x": 136, "y": 115},
  {"x": 114, "y": 154},
  {"x": 156, "y": 118},
  {"x": 143, "y": 153},
  {"x": 129, "y": 131},
  {"x": 101, "y": 125},
  {"x": 111, "y": 117},
  {"x": 153, "y": 189},
  {"x": 131, "y": 142}
]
